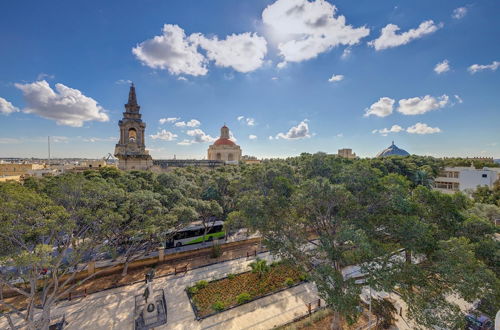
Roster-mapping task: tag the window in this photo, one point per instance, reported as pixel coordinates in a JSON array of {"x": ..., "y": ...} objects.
[
  {"x": 132, "y": 135},
  {"x": 485, "y": 175}
]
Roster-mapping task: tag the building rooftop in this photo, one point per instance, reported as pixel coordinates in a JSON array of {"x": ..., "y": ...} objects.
[{"x": 393, "y": 150}]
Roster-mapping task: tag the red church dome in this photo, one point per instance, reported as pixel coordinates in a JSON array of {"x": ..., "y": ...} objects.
[{"x": 224, "y": 141}]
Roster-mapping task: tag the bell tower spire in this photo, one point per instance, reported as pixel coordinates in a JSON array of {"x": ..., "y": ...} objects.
[
  {"x": 132, "y": 105},
  {"x": 131, "y": 149}
]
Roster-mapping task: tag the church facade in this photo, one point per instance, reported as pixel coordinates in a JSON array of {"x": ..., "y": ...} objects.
[
  {"x": 131, "y": 149},
  {"x": 224, "y": 149}
]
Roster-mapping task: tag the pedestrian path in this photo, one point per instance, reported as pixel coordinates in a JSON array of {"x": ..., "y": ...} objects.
[{"x": 114, "y": 309}]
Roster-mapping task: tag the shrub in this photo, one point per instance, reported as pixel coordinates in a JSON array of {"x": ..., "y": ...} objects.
[
  {"x": 259, "y": 267},
  {"x": 192, "y": 290},
  {"x": 201, "y": 284},
  {"x": 274, "y": 263},
  {"x": 216, "y": 251},
  {"x": 303, "y": 277},
  {"x": 289, "y": 281},
  {"x": 231, "y": 276},
  {"x": 244, "y": 297},
  {"x": 218, "y": 306}
]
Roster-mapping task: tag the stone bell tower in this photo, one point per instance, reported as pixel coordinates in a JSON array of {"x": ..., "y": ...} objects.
[{"x": 131, "y": 150}]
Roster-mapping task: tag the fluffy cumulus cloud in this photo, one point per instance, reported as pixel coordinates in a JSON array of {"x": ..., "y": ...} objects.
[
  {"x": 421, "y": 105},
  {"x": 65, "y": 105},
  {"x": 252, "y": 137},
  {"x": 6, "y": 108},
  {"x": 421, "y": 128},
  {"x": 336, "y": 78},
  {"x": 164, "y": 135},
  {"x": 386, "y": 131},
  {"x": 246, "y": 120},
  {"x": 168, "y": 120},
  {"x": 296, "y": 132},
  {"x": 199, "y": 136},
  {"x": 442, "y": 67},
  {"x": 480, "y": 67},
  {"x": 180, "y": 54},
  {"x": 382, "y": 108},
  {"x": 459, "y": 13},
  {"x": 390, "y": 38},
  {"x": 172, "y": 51},
  {"x": 191, "y": 123},
  {"x": 243, "y": 52},
  {"x": 303, "y": 29}
]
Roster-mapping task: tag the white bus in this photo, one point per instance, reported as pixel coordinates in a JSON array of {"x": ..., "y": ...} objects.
[{"x": 193, "y": 234}]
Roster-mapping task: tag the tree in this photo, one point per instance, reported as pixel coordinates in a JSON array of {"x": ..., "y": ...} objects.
[
  {"x": 142, "y": 227},
  {"x": 208, "y": 212},
  {"x": 41, "y": 253}
]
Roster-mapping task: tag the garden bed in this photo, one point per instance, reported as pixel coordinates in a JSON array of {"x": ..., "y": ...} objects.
[{"x": 209, "y": 298}]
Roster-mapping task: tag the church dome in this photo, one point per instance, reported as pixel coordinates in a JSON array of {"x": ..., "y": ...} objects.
[
  {"x": 393, "y": 150},
  {"x": 224, "y": 142}
]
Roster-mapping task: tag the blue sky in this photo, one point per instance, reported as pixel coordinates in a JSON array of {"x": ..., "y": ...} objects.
[{"x": 299, "y": 77}]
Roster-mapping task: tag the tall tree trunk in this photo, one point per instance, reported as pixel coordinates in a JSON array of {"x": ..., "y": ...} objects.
[
  {"x": 337, "y": 321},
  {"x": 408, "y": 256},
  {"x": 125, "y": 268}
]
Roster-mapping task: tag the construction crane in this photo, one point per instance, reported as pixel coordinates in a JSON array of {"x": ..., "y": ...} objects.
[{"x": 107, "y": 157}]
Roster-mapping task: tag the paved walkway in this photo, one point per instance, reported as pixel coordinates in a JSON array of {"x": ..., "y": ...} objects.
[{"x": 114, "y": 309}]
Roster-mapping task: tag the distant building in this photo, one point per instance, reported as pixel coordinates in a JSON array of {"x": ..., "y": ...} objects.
[
  {"x": 453, "y": 179},
  {"x": 347, "y": 153},
  {"x": 392, "y": 150},
  {"x": 131, "y": 150},
  {"x": 224, "y": 149},
  {"x": 14, "y": 169}
]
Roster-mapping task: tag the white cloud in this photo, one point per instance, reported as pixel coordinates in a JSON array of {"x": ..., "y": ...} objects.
[
  {"x": 335, "y": 78},
  {"x": 191, "y": 123},
  {"x": 389, "y": 38},
  {"x": 274, "y": 78},
  {"x": 9, "y": 140},
  {"x": 385, "y": 131},
  {"x": 346, "y": 53},
  {"x": 480, "y": 67},
  {"x": 382, "y": 108},
  {"x": 43, "y": 76},
  {"x": 59, "y": 139},
  {"x": 303, "y": 29},
  {"x": 296, "y": 132},
  {"x": 442, "y": 67},
  {"x": 421, "y": 128},
  {"x": 232, "y": 137},
  {"x": 98, "y": 139},
  {"x": 185, "y": 142},
  {"x": 164, "y": 135},
  {"x": 199, "y": 136},
  {"x": 252, "y": 137},
  {"x": 65, "y": 105},
  {"x": 421, "y": 105},
  {"x": 243, "y": 52},
  {"x": 123, "y": 82},
  {"x": 6, "y": 108},
  {"x": 182, "y": 78},
  {"x": 172, "y": 51},
  {"x": 459, "y": 99},
  {"x": 271, "y": 137},
  {"x": 248, "y": 121},
  {"x": 459, "y": 13},
  {"x": 168, "y": 120}
]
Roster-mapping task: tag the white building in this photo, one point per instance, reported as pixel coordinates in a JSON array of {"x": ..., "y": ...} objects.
[{"x": 465, "y": 178}]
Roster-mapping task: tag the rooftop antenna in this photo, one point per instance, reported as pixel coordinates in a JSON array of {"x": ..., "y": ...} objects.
[{"x": 48, "y": 142}]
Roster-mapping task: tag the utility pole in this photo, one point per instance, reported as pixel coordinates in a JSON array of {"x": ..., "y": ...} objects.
[{"x": 48, "y": 142}]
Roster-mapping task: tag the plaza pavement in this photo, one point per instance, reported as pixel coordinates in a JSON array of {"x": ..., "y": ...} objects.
[{"x": 114, "y": 309}]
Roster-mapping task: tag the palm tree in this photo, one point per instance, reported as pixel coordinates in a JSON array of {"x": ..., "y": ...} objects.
[{"x": 259, "y": 267}]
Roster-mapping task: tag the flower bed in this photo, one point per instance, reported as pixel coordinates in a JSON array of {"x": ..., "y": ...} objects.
[{"x": 216, "y": 296}]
